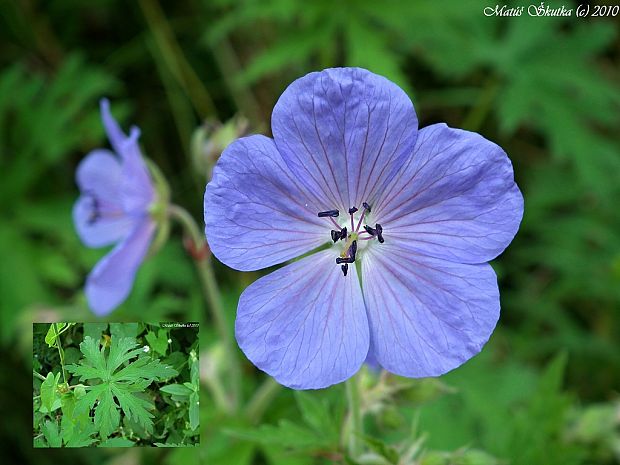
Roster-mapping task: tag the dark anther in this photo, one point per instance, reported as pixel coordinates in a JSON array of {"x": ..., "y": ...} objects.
[
  {"x": 369, "y": 230},
  {"x": 352, "y": 210},
  {"x": 328, "y": 213},
  {"x": 340, "y": 260},
  {"x": 343, "y": 233},
  {"x": 366, "y": 206},
  {"x": 344, "y": 268},
  {"x": 95, "y": 214},
  {"x": 379, "y": 233},
  {"x": 335, "y": 235},
  {"x": 353, "y": 250}
]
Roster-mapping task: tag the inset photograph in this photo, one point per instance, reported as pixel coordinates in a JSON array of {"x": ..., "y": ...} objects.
[{"x": 115, "y": 385}]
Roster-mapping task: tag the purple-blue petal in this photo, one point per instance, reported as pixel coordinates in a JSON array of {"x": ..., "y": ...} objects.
[
  {"x": 98, "y": 213},
  {"x": 136, "y": 185},
  {"x": 102, "y": 231},
  {"x": 427, "y": 316},
  {"x": 256, "y": 212},
  {"x": 344, "y": 132},
  {"x": 305, "y": 324},
  {"x": 110, "y": 282},
  {"x": 116, "y": 136},
  {"x": 99, "y": 173},
  {"x": 456, "y": 199}
]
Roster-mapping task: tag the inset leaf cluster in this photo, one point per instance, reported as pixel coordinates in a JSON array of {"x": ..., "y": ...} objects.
[{"x": 111, "y": 390}]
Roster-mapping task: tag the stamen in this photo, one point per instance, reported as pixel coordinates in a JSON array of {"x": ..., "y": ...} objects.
[
  {"x": 369, "y": 230},
  {"x": 352, "y": 210},
  {"x": 379, "y": 229},
  {"x": 366, "y": 206},
  {"x": 329, "y": 213},
  {"x": 340, "y": 260},
  {"x": 344, "y": 268},
  {"x": 353, "y": 249},
  {"x": 335, "y": 235},
  {"x": 95, "y": 213}
]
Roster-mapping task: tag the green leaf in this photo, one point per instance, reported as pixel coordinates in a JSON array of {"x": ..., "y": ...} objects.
[
  {"x": 314, "y": 412},
  {"x": 52, "y": 434},
  {"x": 121, "y": 330},
  {"x": 123, "y": 385},
  {"x": 134, "y": 407},
  {"x": 53, "y": 332},
  {"x": 50, "y": 400},
  {"x": 159, "y": 341},
  {"x": 145, "y": 368},
  {"x": 94, "y": 330},
  {"x": 194, "y": 411},
  {"x": 176, "y": 389},
  {"x": 121, "y": 350},
  {"x": 117, "y": 442},
  {"x": 106, "y": 415},
  {"x": 72, "y": 355},
  {"x": 285, "y": 434},
  {"x": 387, "y": 452},
  {"x": 76, "y": 425}
]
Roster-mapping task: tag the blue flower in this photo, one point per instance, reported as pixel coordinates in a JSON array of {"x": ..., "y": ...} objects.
[
  {"x": 401, "y": 223},
  {"x": 113, "y": 208}
]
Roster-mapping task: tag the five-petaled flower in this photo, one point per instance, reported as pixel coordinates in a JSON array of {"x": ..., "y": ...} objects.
[
  {"x": 114, "y": 207},
  {"x": 404, "y": 220}
]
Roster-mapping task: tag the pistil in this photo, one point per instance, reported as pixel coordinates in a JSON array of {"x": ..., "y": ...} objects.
[{"x": 349, "y": 252}]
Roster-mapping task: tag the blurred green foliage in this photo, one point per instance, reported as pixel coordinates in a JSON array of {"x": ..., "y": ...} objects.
[{"x": 546, "y": 89}]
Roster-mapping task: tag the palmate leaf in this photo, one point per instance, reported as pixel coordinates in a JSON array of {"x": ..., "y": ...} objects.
[{"x": 118, "y": 383}]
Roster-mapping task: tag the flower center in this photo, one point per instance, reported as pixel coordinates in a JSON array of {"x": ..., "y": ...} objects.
[
  {"x": 349, "y": 252},
  {"x": 100, "y": 209}
]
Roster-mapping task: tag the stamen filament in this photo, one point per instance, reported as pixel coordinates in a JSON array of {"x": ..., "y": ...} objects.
[
  {"x": 352, "y": 210},
  {"x": 334, "y": 222},
  {"x": 366, "y": 209}
]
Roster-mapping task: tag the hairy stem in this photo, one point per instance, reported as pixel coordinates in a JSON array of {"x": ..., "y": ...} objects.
[{"x": 354, "y": 428}]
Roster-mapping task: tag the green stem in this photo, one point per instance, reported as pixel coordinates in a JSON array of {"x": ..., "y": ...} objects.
[
  {"x": 60, "y": 352},
  {"x": 230, "y": 66},
  {"x": 38, "y": 375},
  {"x": 474, "y": 119},
  {"x": 262, "y": 398},
  {"x": 212, "y": 296},
  {"x": 172, "y": 55},
  {"x": 219, "y": 393},
  {"x": 355, "y": 427}
]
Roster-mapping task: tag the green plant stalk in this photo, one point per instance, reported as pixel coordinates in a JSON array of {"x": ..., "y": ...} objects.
[
  {"x": 354, "y": 430},
  {"x": 212, "y": 296},
  {"x": 474, "y": 119},
  {"x": 172, "y": 55},
  {"x": 229, "y": 65},
  {"x": 258, "y": 404},
  {"x": 38, "y": 375},
  {"x": 60, "y": 352}
]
